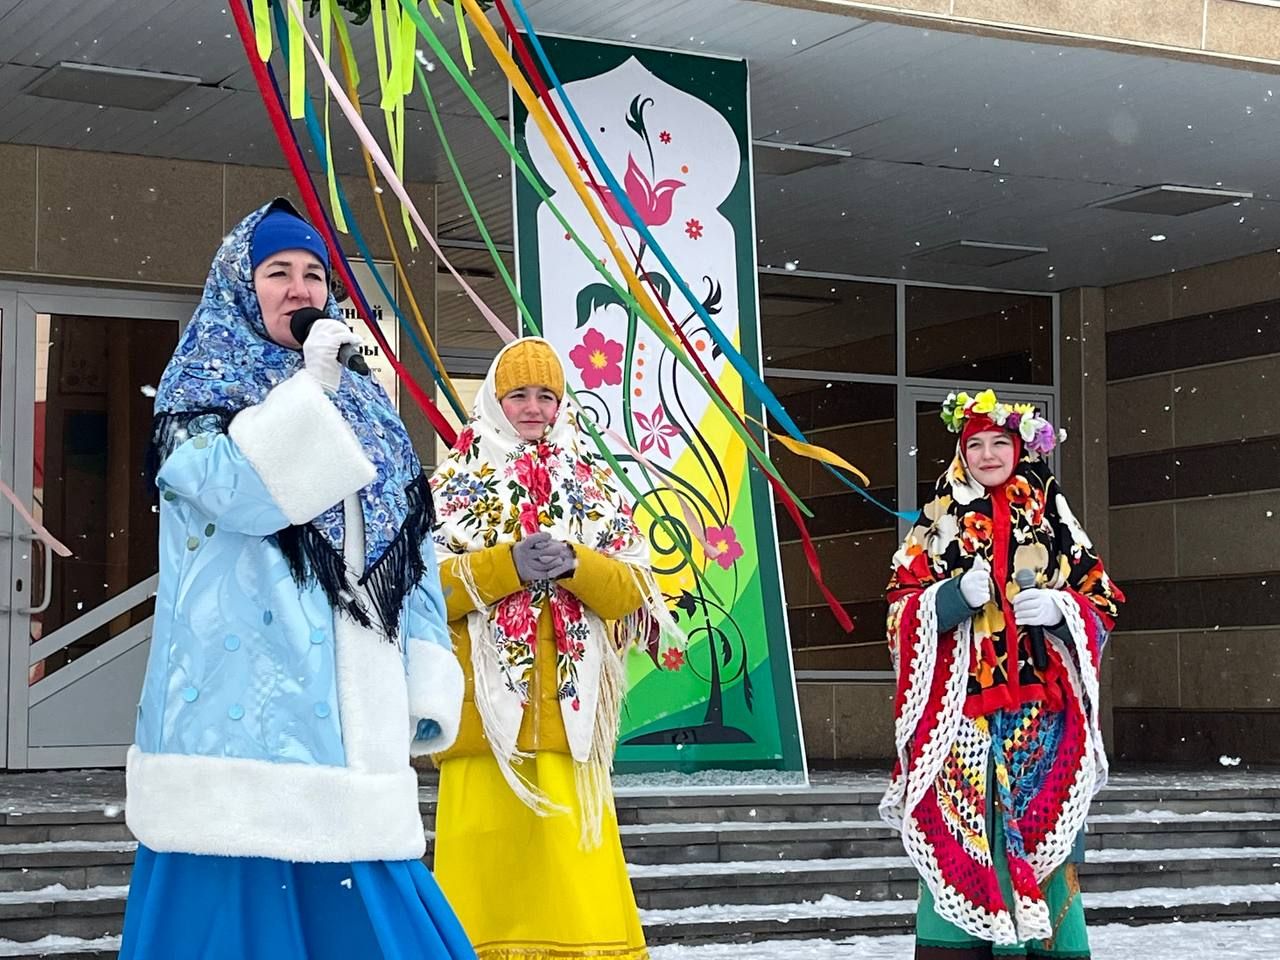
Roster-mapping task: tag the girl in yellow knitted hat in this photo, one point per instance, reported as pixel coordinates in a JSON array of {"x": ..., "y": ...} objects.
[{"x": 547, "y": 581}]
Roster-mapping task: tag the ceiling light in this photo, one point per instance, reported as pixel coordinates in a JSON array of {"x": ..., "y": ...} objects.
[
  {"x": 109, "y": 86},
  {"x": 783, "y": 159},
  {"x": 1171, "y": 200},
  {"x": 980, "y": 253},
  {"x": 1158, "y": 238}
]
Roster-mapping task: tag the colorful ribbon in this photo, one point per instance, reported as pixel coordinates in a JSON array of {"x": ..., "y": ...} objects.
[{"x": 293, "y": 157}]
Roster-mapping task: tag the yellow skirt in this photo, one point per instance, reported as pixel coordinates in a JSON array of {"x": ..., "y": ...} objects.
[{"x": 520, "y": 883}]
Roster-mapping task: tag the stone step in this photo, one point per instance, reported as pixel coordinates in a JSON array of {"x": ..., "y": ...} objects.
[
  {"x": 75, "y": 864},
  {"x": 835, "y": 917},
  {"x": 709, "y": 842},
  {"x": 863, "y": 879},
  {"x": 827, "y": 802},
  {"x": 64, "y": 948},
  {"x": 29, "y": 915}
]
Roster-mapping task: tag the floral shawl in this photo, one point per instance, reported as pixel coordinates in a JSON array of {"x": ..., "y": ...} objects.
[
  {"x": 225, "y": 362},
  {"x": 961, "y": 706},
  {"x": 496, "y": 488}
]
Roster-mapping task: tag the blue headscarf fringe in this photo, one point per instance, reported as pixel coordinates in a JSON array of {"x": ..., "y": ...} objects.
[{"x": 312, "y": 559}]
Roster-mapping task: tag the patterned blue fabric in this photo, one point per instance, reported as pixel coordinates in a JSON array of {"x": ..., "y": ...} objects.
[{"x": 226, "y": 362}]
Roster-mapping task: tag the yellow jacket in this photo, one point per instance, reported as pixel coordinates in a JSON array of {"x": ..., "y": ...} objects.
[{"x": 600, "y": 582}]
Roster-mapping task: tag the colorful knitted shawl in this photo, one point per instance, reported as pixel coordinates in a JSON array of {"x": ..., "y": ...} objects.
[{"x": 961, "y": 706}]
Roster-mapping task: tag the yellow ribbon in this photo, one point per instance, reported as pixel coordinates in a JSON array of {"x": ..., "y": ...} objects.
[
  {"x": 297, "y": 72},
  {"x": 352, "y": 77},
  {"x": 326, "y": 43},
  {"x": 539, "y": 115},
  {"x": 262, "y": 28}
]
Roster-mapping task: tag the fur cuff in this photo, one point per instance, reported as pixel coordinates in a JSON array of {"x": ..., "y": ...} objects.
[
  {"x": 302, "y": 448},
  {"x": 436, "y": 686}
]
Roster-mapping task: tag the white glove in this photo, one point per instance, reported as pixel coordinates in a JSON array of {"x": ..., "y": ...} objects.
[
  {"x": 1034, "y": 607},
  {"x": 320, "y": 351},
  {"x": 975, "y": 587}
]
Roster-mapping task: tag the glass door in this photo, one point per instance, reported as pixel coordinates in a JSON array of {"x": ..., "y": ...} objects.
[{"x": 78, "y": 628}]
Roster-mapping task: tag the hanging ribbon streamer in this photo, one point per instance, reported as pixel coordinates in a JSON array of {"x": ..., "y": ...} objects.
[
  {"x": 47, "y": 538},
  {"x": 750, "y": 378},
  {"x": 393, "y": 181},
  {"x": 790, "y": 502},
  {"x": 509, "y": 67},
  {"x": 463, "y": 38},
  {"x": 321, "y": 145},
  {"x": 692, "y": 520},
  {"x": 297, "y": 72},
  {"x": 315, "y": 210},
  {"x": 262, "y": 29},
  {"x": 436, "y": 365},
  {"x": 331, "y": 174},
  {"x": 648, "y": 314}
]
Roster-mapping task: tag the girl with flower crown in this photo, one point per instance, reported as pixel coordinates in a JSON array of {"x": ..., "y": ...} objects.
[
  {"x": 998, "y": 611},
  {"x": 548, "y": 583}
]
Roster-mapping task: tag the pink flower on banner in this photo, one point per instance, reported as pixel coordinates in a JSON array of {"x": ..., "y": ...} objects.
[
  {"x": 694, "y": 229},
  {"x": 725, "y": 540},
  {"x": 665, "y": 136},
  {"x": 673, "y": 659},
  {"x": 657, "y": 430},
  {"x": 599, "y": 360},
  {"x": 652, "y": 201}
]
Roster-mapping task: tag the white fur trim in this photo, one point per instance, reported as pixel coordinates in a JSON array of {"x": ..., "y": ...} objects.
[
  {"x": 228, "y": 807},
  {"x": 372, "y": 700},
  {"x": 298, "y": 442},
  {"x": 436, "y": 686}
]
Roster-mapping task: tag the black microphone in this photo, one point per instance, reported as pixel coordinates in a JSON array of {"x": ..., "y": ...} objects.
[
  {"x": 300, "y": 325},
  {"x": 1026, "y": 579}
]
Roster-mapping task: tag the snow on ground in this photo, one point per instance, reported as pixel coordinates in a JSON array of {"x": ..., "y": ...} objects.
[
  {"x": 1117, "y": 855},
  {"x": 52, "y": 946},
  {"x": 57, "y": 893},
  {"x": 1244, "y": 940},
  {"x": 69, "y": 846},
  {"x": 833, "y": 906}
]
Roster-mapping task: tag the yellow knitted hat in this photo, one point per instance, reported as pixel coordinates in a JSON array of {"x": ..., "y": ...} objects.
[{"x": 529, "y": 363}]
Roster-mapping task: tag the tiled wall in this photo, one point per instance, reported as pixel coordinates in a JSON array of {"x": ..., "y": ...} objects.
[
  {"x": 1193, "y": 423},
  {"x": 83, "y": 216}
]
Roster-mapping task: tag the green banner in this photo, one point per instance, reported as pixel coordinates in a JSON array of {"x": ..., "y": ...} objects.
[{"x": 675, "y": 131}]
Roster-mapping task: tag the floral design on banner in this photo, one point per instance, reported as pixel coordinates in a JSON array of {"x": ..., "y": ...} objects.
[
  {"x": 598, "y": 359},
  {"x": 652, "y": 201},
  {"x": 649, "y": 397},
  {"x": 657, "y": 431},
  {"x": 725, "y": 539}
]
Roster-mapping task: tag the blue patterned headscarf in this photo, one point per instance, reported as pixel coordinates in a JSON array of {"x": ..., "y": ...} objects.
[{"x": 226, "y": 362}]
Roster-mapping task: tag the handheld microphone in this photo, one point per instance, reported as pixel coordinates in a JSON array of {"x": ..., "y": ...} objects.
[
  {"x": 1026, "y": 579},
  {"x": 300, "y": 325}
]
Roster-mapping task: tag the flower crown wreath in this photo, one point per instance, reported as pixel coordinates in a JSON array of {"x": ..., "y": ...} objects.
[{"x": 1036, "y": 432}]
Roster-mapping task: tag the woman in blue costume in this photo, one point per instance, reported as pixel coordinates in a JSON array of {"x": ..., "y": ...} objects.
[{"x": 300, "y": 653}]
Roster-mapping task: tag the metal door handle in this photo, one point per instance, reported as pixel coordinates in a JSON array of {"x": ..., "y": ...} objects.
[{"x": 32, "y": 539}]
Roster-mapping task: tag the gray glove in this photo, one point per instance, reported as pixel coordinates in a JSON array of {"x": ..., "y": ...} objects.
[
  {"x": 566, "y": 561},
  {"x": 536, "y": 556}
]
